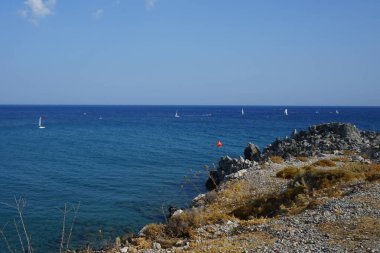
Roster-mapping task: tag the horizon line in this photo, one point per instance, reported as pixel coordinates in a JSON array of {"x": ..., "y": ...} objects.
[{"x": 184, "y": 105}]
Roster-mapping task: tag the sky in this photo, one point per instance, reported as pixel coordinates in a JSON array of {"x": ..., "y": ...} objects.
[{"x": 190, "y": 52}]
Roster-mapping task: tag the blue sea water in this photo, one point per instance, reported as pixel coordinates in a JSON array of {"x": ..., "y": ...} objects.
[{"x": 129, "y": 165}]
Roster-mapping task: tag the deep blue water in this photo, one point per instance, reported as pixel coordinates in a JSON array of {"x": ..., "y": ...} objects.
[{"x": 124, "y": 167}]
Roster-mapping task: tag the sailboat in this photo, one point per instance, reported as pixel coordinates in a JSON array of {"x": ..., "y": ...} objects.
[
  {"x": 40, "y": 123},
  {"x": 286, "y": 112},
  {"x": 336, "y": 111},
  {"x": 242, "y": 112},
  {"x": 176, "y": 114},
  {"x": 100, "y": 117}
]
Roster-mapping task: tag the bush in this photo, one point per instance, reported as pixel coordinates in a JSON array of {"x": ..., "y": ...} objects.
[
  {"x": 153, "y": 231},
  {"x": 324, "y": 163},
  {"x": 291, "y": 172},
  {"x": 302, "y": 158},
  {"x": 277, "y": 159}
]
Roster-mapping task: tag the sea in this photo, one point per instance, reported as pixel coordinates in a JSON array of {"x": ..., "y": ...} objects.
[{"x": 123, "y": 166}]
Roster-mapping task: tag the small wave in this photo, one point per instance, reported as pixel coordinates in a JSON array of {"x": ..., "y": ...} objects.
[{"x": 197, "y": 115}]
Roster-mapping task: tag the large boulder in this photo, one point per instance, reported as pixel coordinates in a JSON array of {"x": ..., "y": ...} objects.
[
  {"x": 213, "y": 180},
  {"x": 252, "y": 153},
  {"x": 228, "y": 165}
]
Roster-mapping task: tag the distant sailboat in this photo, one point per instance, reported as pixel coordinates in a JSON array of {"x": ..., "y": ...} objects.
[
  {"x": 242, "y": 112},
  {"x": 176, "y": 114},
  {"x": 100, "y": 117},
  {"x": 40, "y": 123},
  {"x": 286, "y": 112},
  {"x": 336, "y": 112}
]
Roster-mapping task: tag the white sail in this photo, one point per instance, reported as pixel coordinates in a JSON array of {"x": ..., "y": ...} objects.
[
  {"x": 176, "y": 114},
  {"x": 40, "y": 123},
  {"x": 242, "y": 111},
  {"x": 286, "y": 112},
  {"x": 336, "y": 111}
]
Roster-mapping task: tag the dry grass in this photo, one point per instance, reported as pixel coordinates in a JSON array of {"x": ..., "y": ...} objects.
[
  {"x": 343, "y": 159},
  {"x": 271, "y": 205},
  {"x": 153, "y": 231},
  {"x": 234, "y": 194},
  {"x": 321, "y": 178},
  {"x": 324, "y": 163},
  {"x": 302, "y": 158},
  {"x": 277, "y": 159},
  {"x": 307, "y": 182},
  {"x": 292, "y": 171},
  {"x": 185, "y": 224},
  {"x": 142, "y": 243}
]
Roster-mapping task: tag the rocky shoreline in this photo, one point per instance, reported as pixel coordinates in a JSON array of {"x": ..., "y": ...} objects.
[{"x": 316, "y": 191}]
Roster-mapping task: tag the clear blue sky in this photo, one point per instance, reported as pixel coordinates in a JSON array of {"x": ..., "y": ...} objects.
[{"x": 306, "y": 52}]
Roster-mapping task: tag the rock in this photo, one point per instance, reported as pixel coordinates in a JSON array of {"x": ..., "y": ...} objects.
[
  {"x": 118, "y": 242},
  {"x": 199, "y": 200},
  {"x": 357, "y": 158},
  {"x": 236, "y": 175},
  {"x": 179, "y": 243},
  {"x": 213, "y": 180},
  {"x": 141, "y": 232},
  {"x": 156, "y": 245},
  {"x": 252, "y": 153},
  {"x": 228, "y": 165},
  {"x": 172, "y": 210},
  {"x": 124, "y": 250},
  {"x": 127, "y": 238},
  {"x": 326, "y": 138},
  {"x": 178, "y": 212}
]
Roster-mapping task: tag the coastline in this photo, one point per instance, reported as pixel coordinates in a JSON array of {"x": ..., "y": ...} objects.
[{"x": 315, "y": 191}]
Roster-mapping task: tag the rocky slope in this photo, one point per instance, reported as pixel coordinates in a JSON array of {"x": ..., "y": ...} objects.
[
  {"x": 326, "y": 138},
  {"x": 317, "y": 191},
  {"x": 332, "y": 138}
]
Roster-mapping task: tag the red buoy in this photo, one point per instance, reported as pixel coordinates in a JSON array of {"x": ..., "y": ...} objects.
[{"x": 219, "y": 144}]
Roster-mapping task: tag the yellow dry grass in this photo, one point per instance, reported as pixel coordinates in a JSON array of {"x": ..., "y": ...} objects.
[
  {"x": 302, "y": 158},
  {"x": 277, "y": 159},
  {"x": 324, "y": 163},
  {"x": 307, "y": 182}
]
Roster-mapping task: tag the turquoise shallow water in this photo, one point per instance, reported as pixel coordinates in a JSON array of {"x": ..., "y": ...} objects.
[{"x": 124, "y": 167}]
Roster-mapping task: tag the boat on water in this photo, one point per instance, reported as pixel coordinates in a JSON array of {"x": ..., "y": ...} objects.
[
  {"x": 242, "y": 112},
  {"x": 336, "y": 112},
  {"x": 286, "y": 112},
  {"x": 100, "y": 117},
  {"x": 40, "y": 123},
  {"x": 176, "y": 114}
]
